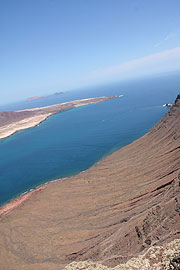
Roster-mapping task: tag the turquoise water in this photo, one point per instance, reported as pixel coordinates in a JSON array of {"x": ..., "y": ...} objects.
[{"x": 72, "y": 141}]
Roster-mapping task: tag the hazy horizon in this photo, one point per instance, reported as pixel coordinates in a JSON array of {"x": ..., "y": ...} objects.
[
  {"x": 49, "y": 46},
  {"x": 168, "y": 76}
]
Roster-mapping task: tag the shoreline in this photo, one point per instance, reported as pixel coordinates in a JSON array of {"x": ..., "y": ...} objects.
[
  {"x": 126, "y": 201},
  {"x": 15, "y": 202},
  {"x": 13, "y": 132},
  {"x": 24, "y": 196},
  {"x": 33, "y": 117}
]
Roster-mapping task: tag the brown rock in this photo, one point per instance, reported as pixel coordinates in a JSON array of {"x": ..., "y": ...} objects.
[{"x": 107, "y": 214}]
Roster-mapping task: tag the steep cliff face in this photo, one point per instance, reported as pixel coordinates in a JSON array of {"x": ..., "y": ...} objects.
[{"x": 114, "y": 211}]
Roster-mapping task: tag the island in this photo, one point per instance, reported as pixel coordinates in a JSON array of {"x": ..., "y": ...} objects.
[
  {"x": 13, "y": 121},
  {"x": 43, "y": 97},
  {"x": 34, "y": 98},
  {"x": 124, "y": 212}
]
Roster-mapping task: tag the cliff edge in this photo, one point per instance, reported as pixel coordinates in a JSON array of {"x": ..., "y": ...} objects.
[{"x": 119, "y": 209}]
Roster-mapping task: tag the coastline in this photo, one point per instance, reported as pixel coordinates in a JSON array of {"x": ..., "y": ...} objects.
[
  {"x": 6, "y": 132},
  {"x": 115, "y": 210},
  {"x": 15, "y": 202},
  {"x": 8, "y": 207},
  {"x": 33, "y": 117}
]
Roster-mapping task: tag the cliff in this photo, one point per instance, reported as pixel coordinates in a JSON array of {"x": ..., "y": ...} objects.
[{"x": 118, "y": 209}]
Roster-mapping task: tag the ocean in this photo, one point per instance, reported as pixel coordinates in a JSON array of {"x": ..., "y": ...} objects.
[{"x": 74, "y": 140}]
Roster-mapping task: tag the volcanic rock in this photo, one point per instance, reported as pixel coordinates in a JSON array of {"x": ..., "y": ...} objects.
[{"x": 123, "y": 207}]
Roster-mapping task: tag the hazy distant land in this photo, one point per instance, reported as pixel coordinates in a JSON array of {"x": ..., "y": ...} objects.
[
  {"x": 13, "y": 121},
  {"x": 40, "y": 97}
]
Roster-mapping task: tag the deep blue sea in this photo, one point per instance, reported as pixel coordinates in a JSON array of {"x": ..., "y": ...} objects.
[{"x": 72, "y": 141}]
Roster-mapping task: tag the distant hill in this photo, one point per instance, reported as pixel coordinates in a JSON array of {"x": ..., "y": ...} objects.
[
  {"x": 33, "y": 98},
  {"x": 40, "y": 97}
]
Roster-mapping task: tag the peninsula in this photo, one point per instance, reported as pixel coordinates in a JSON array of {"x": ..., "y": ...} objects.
[
  {"x": 13, "y": 121},
  {"x": 125, "y": 206}
]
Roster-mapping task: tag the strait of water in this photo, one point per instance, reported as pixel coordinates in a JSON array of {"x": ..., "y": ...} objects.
[{"x": 72, "y": 141}]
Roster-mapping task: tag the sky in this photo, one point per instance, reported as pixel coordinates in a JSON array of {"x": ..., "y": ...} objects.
[{"x": 48, "y": 46}]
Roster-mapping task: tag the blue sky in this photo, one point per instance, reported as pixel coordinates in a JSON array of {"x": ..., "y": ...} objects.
[{"x": 57, "y": 45}]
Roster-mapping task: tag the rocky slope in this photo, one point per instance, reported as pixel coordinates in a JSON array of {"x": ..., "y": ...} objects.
[
  {"x": 116, "y": 210},
  {"x": 154, "y": 258}
]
